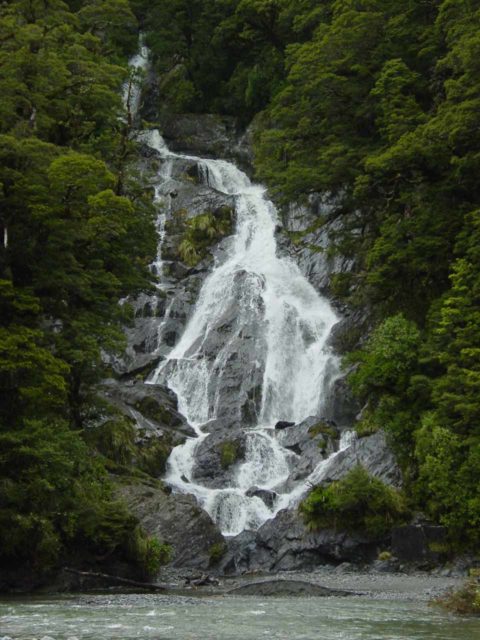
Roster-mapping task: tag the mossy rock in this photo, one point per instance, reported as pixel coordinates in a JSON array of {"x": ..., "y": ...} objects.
[
  {"x": 217, "y": 551},
  {"x": 324, "y": 429},
  {"x": 152, "y": 409},
  {"x": 229, "y": 454},
  {"x": 152, "y": 458}
]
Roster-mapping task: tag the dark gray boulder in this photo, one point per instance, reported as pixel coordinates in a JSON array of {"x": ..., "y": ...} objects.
[
  {"x": 266, "y": 495},
  {"x": 284, "y": 543},
  {"x": 217, "y": 457},
  {"x": 312, "y": 441},
  {"x": 175, "y": 519},
  {"x": 203, "y": 134},
  {"x": 152, "y": 407},
  {"x": 371, "y": 452}
]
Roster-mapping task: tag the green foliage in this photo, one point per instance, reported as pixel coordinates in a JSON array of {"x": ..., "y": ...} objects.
[
  {"x": 54, "y": 496},
  {"x": 202, "y": 232},
  {"x": 464, "y": 601},
  {"x": 128, "y": 448},
  {"x": 449, "y": 479},
  {"x": 150, "y": 553},
  {"x": 80, "y": 236},
  {"x": 357, "y": 502},
  {"x": 388, "y": 360}
]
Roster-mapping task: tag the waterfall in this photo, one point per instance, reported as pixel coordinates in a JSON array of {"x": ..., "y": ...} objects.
[
  {"x": 263, "y": 299},
  {"x": 132, "y": 89},
  {"x": 297, "y": 365}
]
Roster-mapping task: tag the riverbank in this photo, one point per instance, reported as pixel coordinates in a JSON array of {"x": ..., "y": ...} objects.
[{"x": 415, "y": 586}]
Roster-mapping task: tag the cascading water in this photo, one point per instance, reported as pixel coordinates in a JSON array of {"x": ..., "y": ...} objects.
[
  {"x": 250, "y": 287},
  {"x": 297, "y": 365}
]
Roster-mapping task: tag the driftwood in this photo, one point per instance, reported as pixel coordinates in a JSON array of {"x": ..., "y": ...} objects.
[
  {"x": 151, "y": 586},
  {"x": 202, "y": 581}
]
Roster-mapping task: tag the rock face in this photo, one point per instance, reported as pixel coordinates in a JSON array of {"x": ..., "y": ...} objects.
[
  {"x": 216, "y": 458},
  {"x": 176, "y": 520},
  {"x": 284, "y": 544},
  {"x": 372, "y": 453}
]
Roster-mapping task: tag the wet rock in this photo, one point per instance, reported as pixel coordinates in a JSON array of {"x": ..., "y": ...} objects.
[
  {"x": 202, "y": 134},
  {"x": 266, "y": 495},
  {"x": 391, "y": 565},
  {"x": 283, "y": 424},
  {"x": 287, "y": 588},
  {"x": 341, "y": 405},
  {"x": 312, "y": 441},
  {"x": 152, "y": 407},
  {"x": 372, "y": 453},
  {"x": 284, "y": 544},
  {"x": 217, "y": 457},
  {"x": 177, "y": 520}
]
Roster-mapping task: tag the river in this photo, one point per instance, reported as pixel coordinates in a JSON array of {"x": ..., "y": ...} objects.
[{"x": 155, "y": 617}]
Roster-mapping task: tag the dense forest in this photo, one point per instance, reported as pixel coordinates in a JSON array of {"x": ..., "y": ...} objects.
[
  {"x": 77, "y": 235},
  {"x": 374, "y": 102}
]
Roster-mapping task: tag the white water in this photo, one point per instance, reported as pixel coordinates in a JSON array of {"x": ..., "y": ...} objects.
[
  {"x": 298, "y": 367},
  {"x": 132, "y": 89}
]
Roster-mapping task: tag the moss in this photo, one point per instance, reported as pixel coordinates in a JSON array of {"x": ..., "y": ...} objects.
[
  {"x": 217, "y": 551},
  {"x": 228, "y": 454},
  {"x": 441, "y": 548},
  {"x": 322, "y": 428},
  {"x": 322, "y": 443},
  {"x": 384, "y": 556},
  {"x": 115, "y": 439},
  {"x": 153, "y": 457},
  {"x": 151, "y": 408}
]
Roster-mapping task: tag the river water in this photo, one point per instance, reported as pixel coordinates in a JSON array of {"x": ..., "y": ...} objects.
[{"x": 154, "y": 617}]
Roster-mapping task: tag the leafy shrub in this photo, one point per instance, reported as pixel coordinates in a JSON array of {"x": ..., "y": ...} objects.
[
  {"x": 388, "y": 359},
  {"x": 465, "y": 601},
  {"x": 357, "y": 502},
  {"x": 203, "y": 231},
  {"x": 149, "y": 553}
]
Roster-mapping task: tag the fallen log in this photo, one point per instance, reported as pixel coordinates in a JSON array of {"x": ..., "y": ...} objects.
[{"x": 151, "y": 586}]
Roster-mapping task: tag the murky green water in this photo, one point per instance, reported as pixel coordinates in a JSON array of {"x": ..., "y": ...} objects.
[{"x": 154, "y": 617}]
